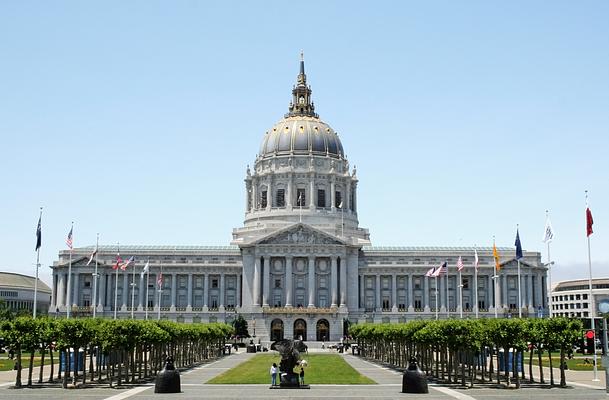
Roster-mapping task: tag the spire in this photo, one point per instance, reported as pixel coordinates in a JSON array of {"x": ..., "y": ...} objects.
[{"x": 301, "y": 95}]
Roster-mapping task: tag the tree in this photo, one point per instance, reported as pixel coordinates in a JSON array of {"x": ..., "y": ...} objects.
[{"x": 240, "y": 327}]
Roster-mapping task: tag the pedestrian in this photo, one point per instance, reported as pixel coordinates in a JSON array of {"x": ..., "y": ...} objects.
[
  {"x": 301, "y": 375},
  {"x": 274, "y": 374}
]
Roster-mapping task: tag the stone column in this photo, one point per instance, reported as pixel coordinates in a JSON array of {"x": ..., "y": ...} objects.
[
  {"x": 347, "y": 196},
  {"x": 61, "y": 301},
  {"x": 441, "y": 293},
  {"x": 394, "y": 293},
  {"x": 504, "y": 290},
  {"x": 238, "y": 294},
  {"x": 256, "y": 282},
  {"x": 354, "y": 200},
  {"x": 76, "y": 292},
  {"x": 530, "y": 292},
  {"x": 125, "y": 292},
  {"x": 142, "y": 292},
  {"x": 334, "y": 280},
  {"x": 311, "y": 281},
  {"x": 343, "y": 282},
  {"x": 289, "y": 194},
  {"x": 312, "y": 190},
  {"x": 205, "y": 290},
  {"x": 269, "y": 193},
  {"x": 101, "y": 287},
  {"x": 333, "y": 193},
  {"x": 410, "y": 292},
  {"x": 378, "y": 292},
  {"x": 426, "y": 294},
  {"x": 266, "y": 280},
  {"x": 539, "y": 291},
  {"x": 362, "y": 290},
  {"x": 255, "y": 194},
  {"x": 189, "y": 296},
  {"x": 288, "y": 281},
  {"x": 222, "y": 286},
  {"x": 174, "y": 290}
]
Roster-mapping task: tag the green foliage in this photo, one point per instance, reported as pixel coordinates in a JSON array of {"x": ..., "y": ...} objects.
[{"x": 240, "y": 327}]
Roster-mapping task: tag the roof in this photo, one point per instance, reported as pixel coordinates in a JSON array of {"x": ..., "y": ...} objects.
[
  {"x": 431, "y": 248},
  {"x": 143, "y": 247},
  {"x": 19, "y": 281}
]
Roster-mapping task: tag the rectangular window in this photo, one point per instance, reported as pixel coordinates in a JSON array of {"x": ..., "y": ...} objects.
[
  {"x": 321, "y": 198},
  {"x": 263, "y": 199},
  {"x": 280, "y": 198},
  {"x": 417, "y": 303},
  {"x": 465, "y": 283},
  {"x": 301, "y": 200},
  {"x": 338, "y": 200},
  {"x": 278, "y": 283},
  {"x": 214, "y": 283},
  {"x": 417, "y": 283}
]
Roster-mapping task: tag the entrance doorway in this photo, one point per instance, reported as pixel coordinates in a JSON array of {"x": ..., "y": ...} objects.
[
  {"x": 300, "y": 329},
  {"x": 323, "y": 330},
  {"x": 276, "y": 330}
]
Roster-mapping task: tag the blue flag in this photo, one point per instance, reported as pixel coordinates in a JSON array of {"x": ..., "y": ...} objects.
[{"x": 518, "y": 246}]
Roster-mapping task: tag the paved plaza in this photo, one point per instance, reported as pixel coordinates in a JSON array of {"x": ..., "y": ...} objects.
[{"x": 581, "y": 387}]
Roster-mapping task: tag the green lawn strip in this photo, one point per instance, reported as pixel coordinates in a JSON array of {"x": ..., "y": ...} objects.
[
  {"x": 6, "y": 364},
  {"x": 321, "y": 369},
  {"x": 575, "y": 364}
]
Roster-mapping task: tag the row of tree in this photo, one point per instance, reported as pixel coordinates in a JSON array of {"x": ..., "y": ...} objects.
[
  {"x": 111, "y": 351},
  {"x": 464, "y": 350}
]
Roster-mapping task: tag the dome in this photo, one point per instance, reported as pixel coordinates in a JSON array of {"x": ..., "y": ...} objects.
[{"x": 301, "y": 135}]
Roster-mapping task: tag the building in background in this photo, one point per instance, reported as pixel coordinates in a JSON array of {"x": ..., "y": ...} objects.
[
  {"x": 572, "y": 298},
  {"x": 300, "y": 266},
  {"x": 17, "y": 293}
]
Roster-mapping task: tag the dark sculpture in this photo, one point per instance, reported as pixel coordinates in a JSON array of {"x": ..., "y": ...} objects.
[
  {"x": 168, "y": 380},
  {"x": 414, "y": 380},
  {"x": 290, "y": 355}
]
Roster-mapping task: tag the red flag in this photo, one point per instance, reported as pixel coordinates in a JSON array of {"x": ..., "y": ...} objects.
[
  {"x": 159, "y": 280},
  {"x": 459, "y": 264},
  {"x": 589, "y": 221},
  {"x": 119, "y": 261}
]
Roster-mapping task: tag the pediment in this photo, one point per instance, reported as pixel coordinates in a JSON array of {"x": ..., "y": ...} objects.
[
  {"x": 300, "y": 234},
  {"x": 514, "y": 263}
]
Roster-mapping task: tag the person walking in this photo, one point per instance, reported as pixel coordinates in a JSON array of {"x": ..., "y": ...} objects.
[
  {"x": 301, "y": 375},
  {"x": 273, "y": 374}
]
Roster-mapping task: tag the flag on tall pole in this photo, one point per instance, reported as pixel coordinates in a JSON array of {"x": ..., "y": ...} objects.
[
  {"x": 459, "y": 268},
  {"x": 93, "y": 254},
  {"x": 496, "y": 257},
  {"x": 70, "y": 243},
  {"x": 159, "y": 280},
  {"x": 476, "y": 281},
  {"x": 476, "y": 259},
  {"x": 69, "y": 239},
  {"x": 442, "y": 269},
  {"x": 146, "y": 268},
  {"x": 589, "y": 221},
  {"x": 548, "y": 234},
  {"x": 431, "y": 271},
  {"x": 127, "y": 263},
  {"x": 119, "y": 260},
  {"x": 459, "y": 264},
  {"x": 518, "y": 258},
  {"x": 39, "y": 232}
]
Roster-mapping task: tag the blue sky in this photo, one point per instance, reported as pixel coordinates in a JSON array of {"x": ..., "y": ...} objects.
[{"x": 137, "y": 119}]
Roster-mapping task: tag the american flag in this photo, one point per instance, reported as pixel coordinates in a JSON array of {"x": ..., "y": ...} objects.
[
  {"x": 442, "y": 270},
  {"x": 69, "y": 241},
  {"x": 459, "y": 264},
  {"x": 159, "y": 280},
  {"x": 125, "y": 265},
  {"x": 119, "y": 261},
  {"x": 431, "y": 271}
]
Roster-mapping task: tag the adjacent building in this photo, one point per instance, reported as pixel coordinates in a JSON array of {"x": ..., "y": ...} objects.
[
  {"x": 17, "y": 293},
  {"x": 301, "y": 265},
  {"x": 572, "y": 298}
]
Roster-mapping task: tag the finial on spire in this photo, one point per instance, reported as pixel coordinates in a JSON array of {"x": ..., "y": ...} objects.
[{"x": 301, "y": 55}]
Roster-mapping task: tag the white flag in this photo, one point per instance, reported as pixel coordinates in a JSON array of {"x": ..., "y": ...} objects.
[
  {"x": 92, "y": 255},
  {"x": 146, "y": 267},
  {"x": 340, "y": 205},
  {"x": 549, "y": 232}
]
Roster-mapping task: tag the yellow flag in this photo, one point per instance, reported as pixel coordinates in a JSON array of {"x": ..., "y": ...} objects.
[{"x": 496, "y": 257}]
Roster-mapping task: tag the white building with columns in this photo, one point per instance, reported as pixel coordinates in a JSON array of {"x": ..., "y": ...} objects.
[{"x": 300, "y": 266}]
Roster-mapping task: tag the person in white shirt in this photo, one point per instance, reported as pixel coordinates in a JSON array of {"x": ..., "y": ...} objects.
[{"x": 273, "y": 374}]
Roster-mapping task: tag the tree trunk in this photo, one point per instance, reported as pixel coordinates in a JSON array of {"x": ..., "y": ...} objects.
[
  {"x": 563, "y": 378},
  {"x": 551, "y": 369},
  {"x": 30, "y": 369},
  {"x": 52, "y": 365},
  {"x": 18, "y": 377},
  {"x": 539, "y": 351},
  {"x": 531, "y": 379},
  {"x": 42, "y": 354}
]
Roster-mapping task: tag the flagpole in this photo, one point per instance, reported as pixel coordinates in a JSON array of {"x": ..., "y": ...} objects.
[
  {"x": 160, "y": 284},
  {"x": 37, "y": 268},
  {"x": 476, "y": 282},
  {"x": 95, "y": 278},
  {"x": 519, "y": 293},
  {"x": 460, "y": 296},
  {"x": 116, "y": 279},
  {"x": 147, "y": 283},
  {"x": 133, "y": 291},
  {"x": 436, "y": 297},
  {"x": 495, "y": 278},
  {"x": 593, "y": 309},
  {"x": 549, "y": 271},
  {"x": 447, "y": 300},
  {"x": 69, "y": 298}
]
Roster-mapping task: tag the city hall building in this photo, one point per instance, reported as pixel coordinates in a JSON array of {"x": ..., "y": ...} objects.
[{"x": 300, "y": 266}]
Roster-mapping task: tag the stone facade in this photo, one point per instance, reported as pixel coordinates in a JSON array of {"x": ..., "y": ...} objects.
[{"x": 301, "y": 266}]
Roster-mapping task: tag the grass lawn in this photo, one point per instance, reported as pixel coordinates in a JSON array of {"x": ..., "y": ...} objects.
[
  {"x": 321, "y": 369},
  {"x": 575, "y": 364},
  {"x": 6, "y": 364}
]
